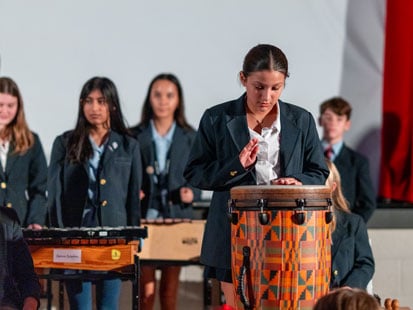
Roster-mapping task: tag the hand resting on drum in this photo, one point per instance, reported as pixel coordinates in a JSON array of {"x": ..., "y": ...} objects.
[{"x": 286, "y": 181}]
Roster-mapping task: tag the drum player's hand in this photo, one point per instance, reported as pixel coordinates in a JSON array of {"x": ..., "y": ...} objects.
[
  {"x": 34, "y": 226},
  {"x": 248, "y": 154},
  {"x": 286, "y": 181},
  {"x": 141, "y": 194},
  {"x": 187, "y": 195}
]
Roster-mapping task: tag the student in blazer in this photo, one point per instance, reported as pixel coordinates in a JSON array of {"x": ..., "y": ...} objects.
[
  {"x": 181, "y": 144},
  {"x": 255, "y": 139},
  {"x": 165, "y": 138},
  {"x": 23, "y": 169},
  {"x": 19, "y": 284},
  {"x": 117, "y": 188},
  {"x": 95, "y": 176},
  {"x": 335, "y": 119},
  {"x": 351, "y": 255},
  {"x": 355, "y": 174}
]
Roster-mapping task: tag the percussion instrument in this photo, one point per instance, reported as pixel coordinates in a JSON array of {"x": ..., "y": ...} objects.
[
  {"x": 280, "y": 243},
  {"x": 85, "y": 248},
  {"x": 110, "y": 249},
  {"x": 173, "y": 240}
]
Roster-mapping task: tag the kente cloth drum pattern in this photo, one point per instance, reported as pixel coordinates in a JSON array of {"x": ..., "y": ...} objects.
[{"x": 284, "y": 263}]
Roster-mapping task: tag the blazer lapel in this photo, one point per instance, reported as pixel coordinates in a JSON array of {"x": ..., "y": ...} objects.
[
  {"x": 11, "y": 159},
  {"x": 177, "y": 151},
  {"x": 111, "y": 148},
  {"x": 146, "y": 146},
  {"x": 343, "y": 158},
  {"x": 287, "y": 142},
  {"x": 237, "y": 124}
]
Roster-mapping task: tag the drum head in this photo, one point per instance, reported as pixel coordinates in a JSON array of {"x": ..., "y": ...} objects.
[{"x": 279, "y": 192}]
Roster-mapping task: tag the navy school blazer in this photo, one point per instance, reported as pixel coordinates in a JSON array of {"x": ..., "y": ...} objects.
[
  {"x": 182, "y": 141},
  {"x": 356, "y": 182},
  {"x": 214, "y": 164},
  {"x": 351, "y": 254},
  {"x": 17, "y": 277},
  {"x": 23, "y": 184},
  {"x": 119, "y": 184}
]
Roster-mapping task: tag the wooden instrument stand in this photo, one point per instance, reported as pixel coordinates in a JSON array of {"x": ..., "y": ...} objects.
[{"x": 115, "y": 256}]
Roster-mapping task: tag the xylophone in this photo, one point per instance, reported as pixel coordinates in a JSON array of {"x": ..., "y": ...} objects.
[
  {"x": 111, "y": 249},
  {"x": 58, "y": 235}
]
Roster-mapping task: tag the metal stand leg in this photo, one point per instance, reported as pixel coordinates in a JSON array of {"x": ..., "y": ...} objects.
[
  {"x": 61, "y": 295},
  {"x": 207, "y": 293},
  {"x": 49, "y": 294},
  {"x": 135, "y": 285}
]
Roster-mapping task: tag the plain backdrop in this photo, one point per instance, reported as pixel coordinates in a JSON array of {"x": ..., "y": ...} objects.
[{"x": 334, "y": 47}]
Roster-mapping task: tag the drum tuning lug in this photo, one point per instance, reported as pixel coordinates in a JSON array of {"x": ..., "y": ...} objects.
[
  {"x": 234, "y": 218},
  {"x": 299, "y": 218},
  {"x": 231, "y": 215},
  {"x": 262, "y": 203},
  {"x": 300, "y": 203},
  {"x": 263, "y": 217},
  {"x": 329, "y": 217},
  {"x": 329, "y": 214}
]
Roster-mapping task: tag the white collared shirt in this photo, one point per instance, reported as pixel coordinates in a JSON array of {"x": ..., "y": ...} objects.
[
  {"x": 267, "y": 166},
  {"x": 4, "y": 150},
  {"x": 162, "y": 144}
]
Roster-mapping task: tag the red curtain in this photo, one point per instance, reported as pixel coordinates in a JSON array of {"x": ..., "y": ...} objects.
[{"x": 396, "y": 167}]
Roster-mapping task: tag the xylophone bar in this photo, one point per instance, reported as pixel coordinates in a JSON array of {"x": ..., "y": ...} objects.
[{"x": 53, "y": 235}]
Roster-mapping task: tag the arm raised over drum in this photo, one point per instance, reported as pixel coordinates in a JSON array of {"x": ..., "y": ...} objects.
[{"x": 210, "y": 168}]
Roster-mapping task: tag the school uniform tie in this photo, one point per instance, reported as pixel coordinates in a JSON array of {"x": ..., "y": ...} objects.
[{"x": 329, "y": 152}]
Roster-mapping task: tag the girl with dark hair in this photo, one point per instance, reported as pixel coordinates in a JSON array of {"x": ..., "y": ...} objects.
[
  {"x": 95, "y": 176},
  {"x": 255, "y": 139},
  {"x": 23, "y": 173},
  {"x": 165, "y": 138}
]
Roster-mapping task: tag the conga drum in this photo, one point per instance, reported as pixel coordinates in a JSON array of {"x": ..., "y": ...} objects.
[{"x": 280, "y": 243}]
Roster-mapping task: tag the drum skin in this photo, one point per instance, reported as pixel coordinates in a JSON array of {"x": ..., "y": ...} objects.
[{"x": 281, "y": 241}]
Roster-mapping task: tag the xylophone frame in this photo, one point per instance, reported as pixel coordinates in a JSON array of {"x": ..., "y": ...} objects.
[{"x": 126, "y": 241}]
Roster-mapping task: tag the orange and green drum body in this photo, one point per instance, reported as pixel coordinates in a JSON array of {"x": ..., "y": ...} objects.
[{"x": 281, "y": 241}]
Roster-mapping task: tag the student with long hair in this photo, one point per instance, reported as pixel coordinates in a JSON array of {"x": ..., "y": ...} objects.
[
  {"x": 351, "y": 254},
  {"x": 165, "y": 138},
  {"x": 95, "y": 177},
  {"x": 23, "y": 172}
]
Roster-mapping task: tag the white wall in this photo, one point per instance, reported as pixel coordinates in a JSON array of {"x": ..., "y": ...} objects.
[{"x": 52, "y": 47}]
